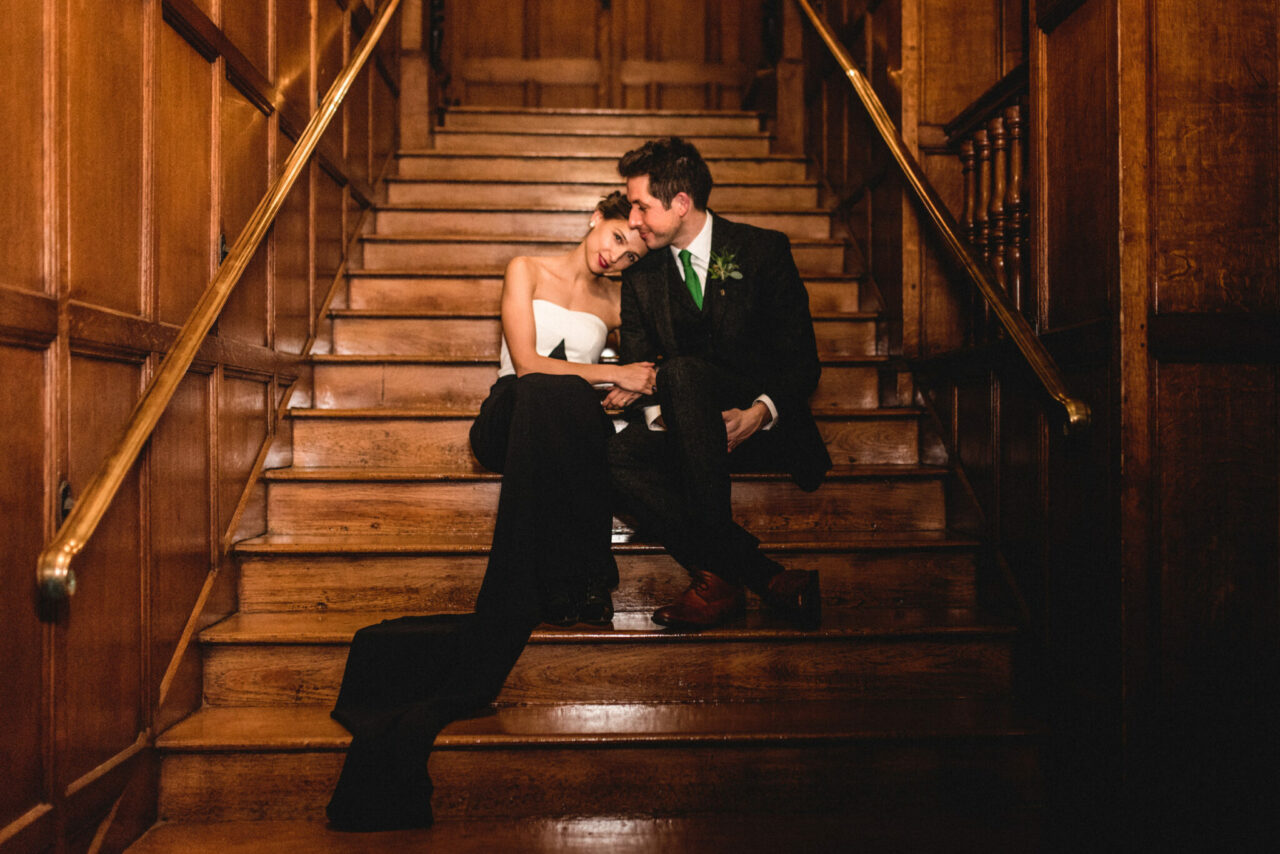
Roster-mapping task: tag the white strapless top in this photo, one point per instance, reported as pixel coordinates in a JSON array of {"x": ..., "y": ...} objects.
[{"x": 582, "y": 333}]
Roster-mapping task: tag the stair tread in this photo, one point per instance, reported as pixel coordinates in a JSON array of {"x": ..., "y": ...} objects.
[
  {"x": 439, "y": 314},
  {"x": 410, "y": 412},
  {"x": 586, "y": 155},
  {"x": 427, "y": 359},
  {"x": 620, "y": 112},
  {"x": 755, "y": 182},
  {"x": 311, "y": 728},
  {"x": 594, "y": 133},
  {"x": 571, "y": 209},
  {"x": 362, "y": 473},
  {"x": 451, "y": 543},
  {"x": 902, "y": 829},
  {"x": 337, "y": 627}
]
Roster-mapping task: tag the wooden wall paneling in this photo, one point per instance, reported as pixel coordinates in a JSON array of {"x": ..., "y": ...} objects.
[
  {"x": 99, "y": 674},
  {"x": 330, "y": 51},
  {"x": 1079, "y": 214},
  {"x": 384, "y": 120},
  {"x": 182, "y": 535},
  {"x": 102, "y": 90},
  {"x": 977, "y": 438},
  {"x": 501, "y": 34},
  {"x": 22, "y": 193},
  {"x": 24, "y": 504},
  {"x": 183, "y": 192},
  {"x": 246, "y": 168},
  {"x": 291, "y": 279},
  {"x": 244, "y": 413},
  {"x": 567, "y": 31},
  {"x": 357, "y": 115},
  {"x": 1013, "y": 35},
  {"x": 293, "y": 57},
  {"x": 248, "y": 24},
  {"x": 1023, "y": 434},
  {"x": 946, "y": 299},
  {"x": 1217, "y": 179},
  {"x": 329, "y": 239}
]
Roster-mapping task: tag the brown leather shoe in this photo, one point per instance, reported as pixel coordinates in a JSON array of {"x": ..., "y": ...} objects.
[
  {"x": 795, "y": 593},
  {"x": 709, "y": 601}
]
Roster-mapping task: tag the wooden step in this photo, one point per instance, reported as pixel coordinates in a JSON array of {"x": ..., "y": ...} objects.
[
  {"x": 874, "y": 829},
  {"x": 364, "y": 332},
  {"x": 533, "y": 166},
  {"x": 362, "y": 501},
  {"x": 230, "y": 764},
  {"x": 435, "y": 253},
  {"x": 653, "y": 123},
  {"x": 590, "y": 142},
  {"x": 425, "y": 573},
  {"x": 564, "y": 223},
  {"x": 480, "y": 292},
  {"x": 298, "y": 658},
  {"x": 431, "y": 440},
  {"x": 359, "y": 382},
  {"x": 584, "y": 195}
]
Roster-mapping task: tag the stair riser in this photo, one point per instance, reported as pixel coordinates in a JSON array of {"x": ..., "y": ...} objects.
[
  {"x": 411, "y": 507},
  {"x": 602, "y": 169},
  {"x": 449, "y": 583},
  {"x": 479, "y": 338},
  {"x": 398, "y": 254},
  {"x": 443, "y": 445},
  {"x": 275, "y": 674},
  {"x": 462, "y": 388},
  {"x": 652, "y": 126},
  {"x": 725, "y": 197},
  {"x": 482, "y": 294},
  {"x": 565, "y": 225},
  {"x": 481, "y": 142},
  {"x": 783, "y": 778}
]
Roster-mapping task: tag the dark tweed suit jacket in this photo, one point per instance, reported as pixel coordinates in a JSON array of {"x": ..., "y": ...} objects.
[{"x": 757, "y": 328}]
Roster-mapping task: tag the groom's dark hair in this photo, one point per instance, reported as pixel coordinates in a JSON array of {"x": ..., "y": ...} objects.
[{"x": 674, "y": 166}]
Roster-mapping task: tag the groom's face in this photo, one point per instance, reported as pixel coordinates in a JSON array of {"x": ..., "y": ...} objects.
[{"x": 656, "y": 222}]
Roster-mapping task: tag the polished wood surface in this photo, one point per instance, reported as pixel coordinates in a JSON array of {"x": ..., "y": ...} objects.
[{"x": 134, "y": 137}]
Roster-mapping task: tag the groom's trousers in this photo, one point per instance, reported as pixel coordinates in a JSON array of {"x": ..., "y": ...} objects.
[{"x": 675, "y": 484}]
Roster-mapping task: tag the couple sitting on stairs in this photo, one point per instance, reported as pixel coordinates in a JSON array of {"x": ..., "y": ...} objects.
[{"x": 717, "y": 362}]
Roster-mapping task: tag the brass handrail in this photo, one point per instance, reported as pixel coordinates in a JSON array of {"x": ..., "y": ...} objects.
[
  {"x": 1002, "y": 306},
  {"x": 53, "y": 569}
]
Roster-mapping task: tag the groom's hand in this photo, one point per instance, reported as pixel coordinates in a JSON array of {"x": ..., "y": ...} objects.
[{"x": 742, "y": 424}]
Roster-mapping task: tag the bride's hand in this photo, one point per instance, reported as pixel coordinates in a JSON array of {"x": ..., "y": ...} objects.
[
  {"x": 618, "y": 399},
  {"x": 638, "y": 377}
]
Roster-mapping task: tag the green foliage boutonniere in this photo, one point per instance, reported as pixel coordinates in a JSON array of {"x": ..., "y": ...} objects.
[{"x": 723, "y": 267}]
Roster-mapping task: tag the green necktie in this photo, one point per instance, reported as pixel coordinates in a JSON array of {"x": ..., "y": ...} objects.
[{"x": 691, "y": 278}]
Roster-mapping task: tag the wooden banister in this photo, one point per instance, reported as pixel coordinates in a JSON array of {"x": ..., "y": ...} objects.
[
  {"x": 54, "y": 574},
  {"x": 975, "y": 269}
]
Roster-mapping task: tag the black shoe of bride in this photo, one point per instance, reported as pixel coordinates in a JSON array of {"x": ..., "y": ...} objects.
[{"x": 597, "y": 609}]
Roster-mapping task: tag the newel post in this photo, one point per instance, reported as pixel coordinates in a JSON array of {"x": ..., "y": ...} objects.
[{"x": 789, "y": 131}]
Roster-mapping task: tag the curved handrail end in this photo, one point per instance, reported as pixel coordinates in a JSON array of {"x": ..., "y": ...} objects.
[
  {"x": 1079, "y": 417},
  {"x": 56, "y": 578}
]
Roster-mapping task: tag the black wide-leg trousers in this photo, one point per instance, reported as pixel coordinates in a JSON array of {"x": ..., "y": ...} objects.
[
  {"x": 407, "y": 679},
  {"x": 675, "y": 484}
]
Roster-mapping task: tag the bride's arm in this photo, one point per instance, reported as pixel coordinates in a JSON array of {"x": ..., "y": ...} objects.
[{"x": 520, "y": 330}]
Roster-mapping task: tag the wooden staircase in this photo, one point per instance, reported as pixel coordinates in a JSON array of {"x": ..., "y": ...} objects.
[{"x": 897, "y": 713}]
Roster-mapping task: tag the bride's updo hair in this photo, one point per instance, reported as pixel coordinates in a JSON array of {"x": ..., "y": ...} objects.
[{"x": 615, "y": 206}]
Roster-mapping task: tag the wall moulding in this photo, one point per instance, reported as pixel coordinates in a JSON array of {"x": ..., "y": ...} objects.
[{"x": 1050, "y": 13}]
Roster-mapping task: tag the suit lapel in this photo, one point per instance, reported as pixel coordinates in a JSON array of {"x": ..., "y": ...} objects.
[
  {"x": 715, "y": 300},
  {"x": 660, "y": 283}
]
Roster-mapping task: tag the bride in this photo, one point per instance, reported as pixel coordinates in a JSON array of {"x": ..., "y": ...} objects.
[{"x": 545, "y": 429}]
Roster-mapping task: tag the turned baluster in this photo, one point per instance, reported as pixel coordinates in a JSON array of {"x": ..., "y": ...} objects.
[
  {"x": 996, "y": 209},
  {"x": 967, "y": 218},
  {"x": 982, "y": 204},
  {"x": 1015, "y": 212}
]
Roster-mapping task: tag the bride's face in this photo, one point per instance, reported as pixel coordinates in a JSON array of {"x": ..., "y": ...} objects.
[{"x": 612, "y": 245}]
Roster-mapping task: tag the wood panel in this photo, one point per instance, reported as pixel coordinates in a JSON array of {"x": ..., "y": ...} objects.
[
  {"x": 246, "y": 171},
  {"x": 1216, "y": 201},
  {"x": 291, "y": 271},
  {"x": 248, "y": 23},
  {"x": 99, "y": 688},
  {"x": 183, "y": 170},
  {"x": 293, "y": 57},
  {"x": 102, "y": 91},
  {"x": 181, "y": 523},
  {"x": 244, "y": 407},
  {"x": 25, "y": 504},
  {"x": 330, "y": 53},
  {"x": 22, "y": 155}
]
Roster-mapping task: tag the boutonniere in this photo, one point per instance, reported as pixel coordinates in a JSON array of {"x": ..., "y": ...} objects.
[{"x": 723, "y": 266}]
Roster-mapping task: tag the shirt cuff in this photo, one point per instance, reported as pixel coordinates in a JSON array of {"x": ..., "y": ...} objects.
[
  {"x": 651, "y": 416},
  {"x": 773, "y": 410}
]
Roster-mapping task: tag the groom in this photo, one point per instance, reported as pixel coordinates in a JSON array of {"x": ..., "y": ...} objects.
[{"x": 720, "y": 306}]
